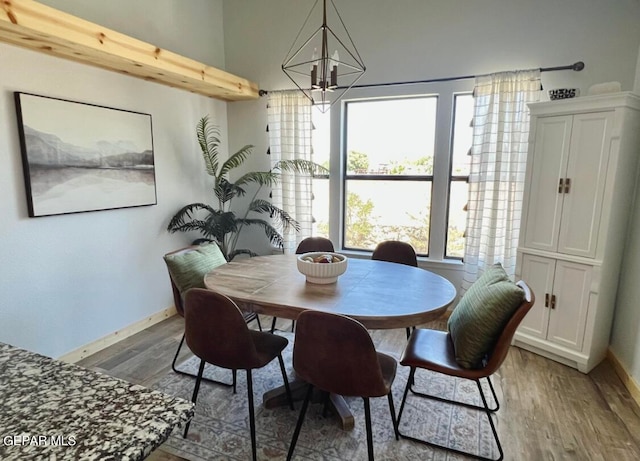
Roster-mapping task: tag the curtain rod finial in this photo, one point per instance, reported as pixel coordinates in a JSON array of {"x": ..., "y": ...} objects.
[
  {"x": 578, "y": 66},
  {"x": 265, "y": 92}
]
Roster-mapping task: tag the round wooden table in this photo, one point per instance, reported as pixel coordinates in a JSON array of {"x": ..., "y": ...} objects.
[{"x": 379, "y": 294}]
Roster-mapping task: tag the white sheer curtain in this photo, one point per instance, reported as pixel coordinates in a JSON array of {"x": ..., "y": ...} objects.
[
  {"x": 498, "y": 165},
  {"x": 289, "y": 121}
]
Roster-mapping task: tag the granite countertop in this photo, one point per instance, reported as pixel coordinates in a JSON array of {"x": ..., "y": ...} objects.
[{"x": 51, "y": 410}]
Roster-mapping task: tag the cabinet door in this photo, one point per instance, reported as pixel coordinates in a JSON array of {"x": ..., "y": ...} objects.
[
  {"x": 571, "y": 287},
  {"x": 549, "y": 164},
  {"x": 538, "y": 272},
  {"x": 587, "y": 171}
]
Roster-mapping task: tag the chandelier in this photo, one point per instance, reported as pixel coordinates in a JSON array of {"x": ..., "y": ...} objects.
[{"x": 326, "y": 64}]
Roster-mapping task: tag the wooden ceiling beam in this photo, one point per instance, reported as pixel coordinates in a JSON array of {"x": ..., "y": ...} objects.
[{"x": 32, "y": 25}]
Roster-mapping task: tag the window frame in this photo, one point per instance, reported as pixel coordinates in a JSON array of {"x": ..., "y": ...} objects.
[{"x": 446, "y": 92}]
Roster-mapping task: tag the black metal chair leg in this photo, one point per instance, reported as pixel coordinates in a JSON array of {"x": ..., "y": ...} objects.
[
  {"x": 180, "y": 372},
  {"x": 252, "y": 416},
  {"x": 485, "y": 409},
  {"x": 367, "y": 420},
  {"x": 296, "y": 432},
  {"x": 467, "y": 405},
  {"x": 273, "y": 325},
  {"x": 286, "y": 381},
  {"x": 393, "y": 415},
  {"x": 258, "y": 321},
  {"x": 408, "y": 333},
  {"x": 234, "y": 373},
  {"x": 194, "y": 396}
]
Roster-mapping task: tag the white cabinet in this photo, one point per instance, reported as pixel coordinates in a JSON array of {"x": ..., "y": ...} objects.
[
  {"x": 560, "y": 313},
  {"x": 581, "y": 172}
]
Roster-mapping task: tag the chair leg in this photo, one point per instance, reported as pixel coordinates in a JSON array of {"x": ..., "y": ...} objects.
[
  {"x": 303, "y": 411},
  {"x": 194, "y": 396},
  {"x": 273, "y": 325},
  {"x": 234, "y": 373},
  {"x": 408, "y": 333},
  {"x": 258, "y": 321},
  {"x": 180, "y": 372},
  {"x": 367, "y": 421},
  {"x": 463, "y": 404},
  {"x": 485, "y": 408},
  {"x": 286, "y": 381},
  {"x": 393, "y": 415},
  {"x": 252, "y": 416}
]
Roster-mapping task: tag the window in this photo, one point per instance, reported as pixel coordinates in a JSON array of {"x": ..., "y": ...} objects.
[
  {"x": 399, "y": 170},
  {"x": 459, "y": 176},
  {"x": 389, "y": 171},
  {"x": 320, "y": 143}
]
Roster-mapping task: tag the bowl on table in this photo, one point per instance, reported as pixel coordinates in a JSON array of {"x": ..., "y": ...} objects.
[{"x": 322, "y": 267}]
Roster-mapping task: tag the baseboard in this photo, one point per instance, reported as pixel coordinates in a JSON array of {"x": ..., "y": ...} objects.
[
  {"x": 119, "y": 335},
  {"x": 632, "y": 386}
]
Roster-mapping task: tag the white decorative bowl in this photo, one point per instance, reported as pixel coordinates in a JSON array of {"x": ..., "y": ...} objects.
[{"x": 322, "y": 273}]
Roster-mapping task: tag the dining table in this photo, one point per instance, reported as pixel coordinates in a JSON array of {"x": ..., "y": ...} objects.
[
  {"x": 53, "y": 410},
  {"x": 379, "y": 294}
]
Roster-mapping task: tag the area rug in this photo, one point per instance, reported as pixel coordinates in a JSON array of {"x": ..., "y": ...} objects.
[{"x": 220, "y": 428}]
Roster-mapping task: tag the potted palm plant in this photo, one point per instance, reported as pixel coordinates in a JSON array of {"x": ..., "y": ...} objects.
[{"x": 221, "y": 223}]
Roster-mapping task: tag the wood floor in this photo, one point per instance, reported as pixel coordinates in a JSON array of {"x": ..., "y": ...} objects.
[{"x": 549, "y": 411}]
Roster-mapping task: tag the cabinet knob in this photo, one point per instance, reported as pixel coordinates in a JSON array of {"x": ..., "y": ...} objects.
[
  {"x": 560, "y": 185},
  {"x": 567, "y": 185},
  {"x": 553, "y": 301},
  {"x": 546, "y": 300}
]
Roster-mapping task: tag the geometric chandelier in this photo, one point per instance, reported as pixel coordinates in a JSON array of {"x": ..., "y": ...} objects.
[{"x": 326, "y": 63}]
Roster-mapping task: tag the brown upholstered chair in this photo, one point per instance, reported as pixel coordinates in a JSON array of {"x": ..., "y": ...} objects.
[
  {"x": 308, "y": 245},
  {"x": 395, "y": 251},
  {"x": 335, "y": 354},
  {"x": 178, "y": 302},
  {"x": 217, "y": 333},
  {"x": 434, "y": 350},
  {"x": 314, "y": 244}
]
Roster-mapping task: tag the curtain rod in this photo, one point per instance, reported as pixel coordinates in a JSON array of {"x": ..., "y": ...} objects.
[{"x": 576, "y": 66}]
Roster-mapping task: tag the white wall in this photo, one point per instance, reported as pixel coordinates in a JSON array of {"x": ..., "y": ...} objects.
[
  {"x": 69, "y": 280},
  {"x": 416, "y": 39}
]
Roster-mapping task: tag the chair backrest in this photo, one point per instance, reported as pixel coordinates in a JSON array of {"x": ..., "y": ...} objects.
[
  {"x": 395, "y": 251},
  {"x": 188, "y": 266},
  {"x": 216, "y": 331},
  {"x": 501, "y": 348},
  {"x": 177, "y": 297},
  {"x": 314, "y": 244},
  {"x": 336, "y": 354}
]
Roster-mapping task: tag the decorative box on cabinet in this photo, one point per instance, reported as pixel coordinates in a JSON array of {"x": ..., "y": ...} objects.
[{"x": 581, "y": 173}]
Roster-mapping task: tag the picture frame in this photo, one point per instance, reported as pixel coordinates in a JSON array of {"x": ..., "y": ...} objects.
[{"x": 80, "y": 157}]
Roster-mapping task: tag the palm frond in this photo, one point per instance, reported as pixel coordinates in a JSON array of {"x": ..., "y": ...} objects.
[
  {"x": 185, "y": 216},
  {"x": 300, "y": 166},
  {"x": 275, "y": 238},
  {"x": 208, "y": 138},
  {"x": 235, "y": 160},
  {"x": 281, "y": 218},
  {"x": 225, "y": 191},
  {"x": 262, "y": 178}
]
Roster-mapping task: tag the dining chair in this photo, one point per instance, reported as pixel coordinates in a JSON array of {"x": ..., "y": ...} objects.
[
  {"x": 187, "y": 267},
  {"x": 314, "y": 244},
  {"x": 395, "y": 251},
  {"x": 440, "y": 351},
  {"x": 217, "y": 333},
  {"x": 308, "y": 245},
  {"x": 320, "y": 358}
]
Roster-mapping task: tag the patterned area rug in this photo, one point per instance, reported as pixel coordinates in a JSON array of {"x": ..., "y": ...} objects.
[{"x": 220, "y": 428}]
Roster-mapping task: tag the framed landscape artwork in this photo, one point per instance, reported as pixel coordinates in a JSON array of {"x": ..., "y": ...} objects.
[{"x": 80, "y": 157}]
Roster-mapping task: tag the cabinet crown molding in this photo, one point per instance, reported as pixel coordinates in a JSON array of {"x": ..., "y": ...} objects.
[{"x": 32, "y": 25}]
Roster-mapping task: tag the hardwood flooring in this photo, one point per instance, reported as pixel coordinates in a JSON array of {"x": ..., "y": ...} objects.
[{"x": 548, "y": 411}]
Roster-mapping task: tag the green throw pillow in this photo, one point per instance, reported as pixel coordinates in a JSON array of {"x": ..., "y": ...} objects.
[
  {"x": 481, "y": 315},
  {"x": 189, "y": 268}
]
